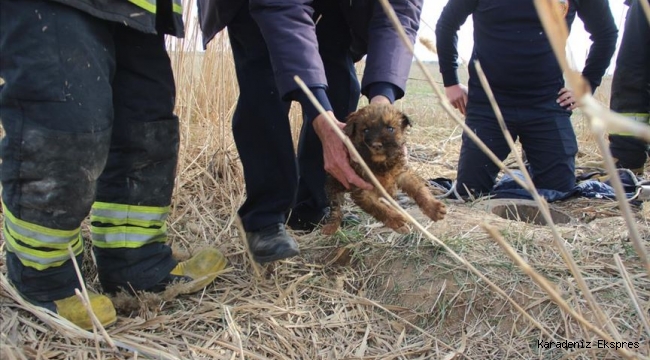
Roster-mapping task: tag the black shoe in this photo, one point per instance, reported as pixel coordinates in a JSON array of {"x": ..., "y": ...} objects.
[{"x": 271, "y": 243}]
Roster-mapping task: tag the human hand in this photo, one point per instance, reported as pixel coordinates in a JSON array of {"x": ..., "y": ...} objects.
[
  {"x": 457, "y": 95},
  {"x": 566, "y": 99},
  {"x": 335, "y": 154}
]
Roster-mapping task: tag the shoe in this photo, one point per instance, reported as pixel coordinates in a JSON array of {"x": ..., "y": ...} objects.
[
  {"x": 271, "y": 243},
  {"x": 72, "y": 309},
  {"x": 199, "y": 271}
]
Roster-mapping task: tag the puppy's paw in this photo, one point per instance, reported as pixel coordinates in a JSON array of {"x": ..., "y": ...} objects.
[
  {"x": 398, "y": 225},
  {"x": 402, "y": 230},
  {"x": 435, "y": 210},
  {"x": 330, "y": 228}
]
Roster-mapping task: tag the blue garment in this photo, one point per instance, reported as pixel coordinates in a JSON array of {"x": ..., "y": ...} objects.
[
  {"x": 507, "y": 188},
  {"x": 545, "y": 133},
  {"x": 514, "y": 52}
]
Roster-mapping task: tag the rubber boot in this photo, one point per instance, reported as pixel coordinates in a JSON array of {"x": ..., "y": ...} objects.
[
  {"x": 72, "y": 309},
  {"x": 200, "y": 270}
]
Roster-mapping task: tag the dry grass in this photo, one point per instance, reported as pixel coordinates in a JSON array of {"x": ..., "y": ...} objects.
[{"x": 365, "y": 293}]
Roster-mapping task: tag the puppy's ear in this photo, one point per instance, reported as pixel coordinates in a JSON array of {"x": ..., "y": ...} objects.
[
  {"x": 350, "y": 128},
  {"x": 406, "y": 122}
]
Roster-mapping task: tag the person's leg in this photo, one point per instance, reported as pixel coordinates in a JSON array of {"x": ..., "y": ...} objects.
[
  {"x": 547, "y": 137},
  {"x": 261, "y": 130},
  {"x": 134, "y": 191},
  {"x": 629, "y": 152},
  {"x": 334, "y": 40},
  {"x": 263, "y": 138},
  {"x": 56, "y": 111},
  {"x": 476, "y": 171},
  {"x": 630, "y": 95}
]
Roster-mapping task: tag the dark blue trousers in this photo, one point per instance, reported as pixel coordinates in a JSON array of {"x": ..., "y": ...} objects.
[
  {"x": 546, "y": 135},
  {"x": 277, "y": 179}
]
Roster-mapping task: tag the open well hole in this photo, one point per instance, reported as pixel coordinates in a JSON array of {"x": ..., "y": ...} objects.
[{"x": 529, "y": 214}]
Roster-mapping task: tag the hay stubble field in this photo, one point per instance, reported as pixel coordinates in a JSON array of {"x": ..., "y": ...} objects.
[{"x": 366, "y": 292}]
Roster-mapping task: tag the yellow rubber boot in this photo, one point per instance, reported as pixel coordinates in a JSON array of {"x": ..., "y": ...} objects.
[
  {"x": 72, "y": 309},
  {"x": 202, "y": 268}
]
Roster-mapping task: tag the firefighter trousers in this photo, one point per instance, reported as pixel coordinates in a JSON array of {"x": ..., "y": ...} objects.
[{"x": 87, "y": 110}]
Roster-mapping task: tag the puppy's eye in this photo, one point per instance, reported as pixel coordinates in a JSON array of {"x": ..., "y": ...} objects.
[
  {"x": 390, "y": 128},
  {"x": 365, "y": 131}
]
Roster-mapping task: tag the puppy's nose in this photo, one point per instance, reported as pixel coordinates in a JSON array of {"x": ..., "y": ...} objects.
[{"x": 377, "y": 145}]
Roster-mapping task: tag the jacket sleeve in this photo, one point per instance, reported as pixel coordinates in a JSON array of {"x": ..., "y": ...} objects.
[
  {"x": 599, "y": 23},
  {"x": 453, "y": 16},
  {"x": 290, "y": 36},
  {"x": 388, "y": 60}
]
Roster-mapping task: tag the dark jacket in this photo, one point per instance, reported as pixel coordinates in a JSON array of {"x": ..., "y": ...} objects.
[
  {"x": 289, "y": 30},
  {"x": 631, "y": 82},
  {"x": 141, "y": 18},
  {"x": 514, "y": 52}
]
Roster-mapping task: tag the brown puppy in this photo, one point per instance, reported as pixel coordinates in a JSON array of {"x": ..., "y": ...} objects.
[{"x": 377, "y": 132}]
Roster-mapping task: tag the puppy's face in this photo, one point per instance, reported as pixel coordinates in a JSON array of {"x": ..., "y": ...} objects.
[{"x": 377, "y": 132}]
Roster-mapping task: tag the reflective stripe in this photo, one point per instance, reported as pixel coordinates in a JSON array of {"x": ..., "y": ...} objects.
[
  {"x": 637, "y": 117},
  {"x": 127, "y": 226},
  {"x": 159, "y": 210},
  {"x": 178, "y": 7},
  {"x": 38, "y": 240},
  {"x": 42, "y": 233},
  {"x": 126, "y": 236},
  {"x": 643, "y": 118},
  {"x": 38, "y": 258},
  {"x": 123, "y": 222},
  {"x": 151, "y": 6},
  {"x": 120, "y": 214}
]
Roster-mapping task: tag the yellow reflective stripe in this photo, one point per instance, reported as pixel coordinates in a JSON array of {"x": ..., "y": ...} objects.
[
  {"x": 643, "y": 118},
  {"x": 129, "y": 225},
  {"x": 123, "y": 244},
  {"x": 37, "y": 240},
  {"x": 122, "y": 222},
  {"x": 150, "y": 5},
  {"x": 132, "y": 230},
  {"x": 640, "y": 117},
  {"x": 40, "y": 259},
  {"x": 126, "y": 236},
  {"x": 43, "y": 257},
  {"x": 147, "y": 5},
  {"x": 132, "y": 208},
  {"x": 38, "y": 228},
  {"x": 122, "y": 214},
  {"x": 178, "y": 7}
]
